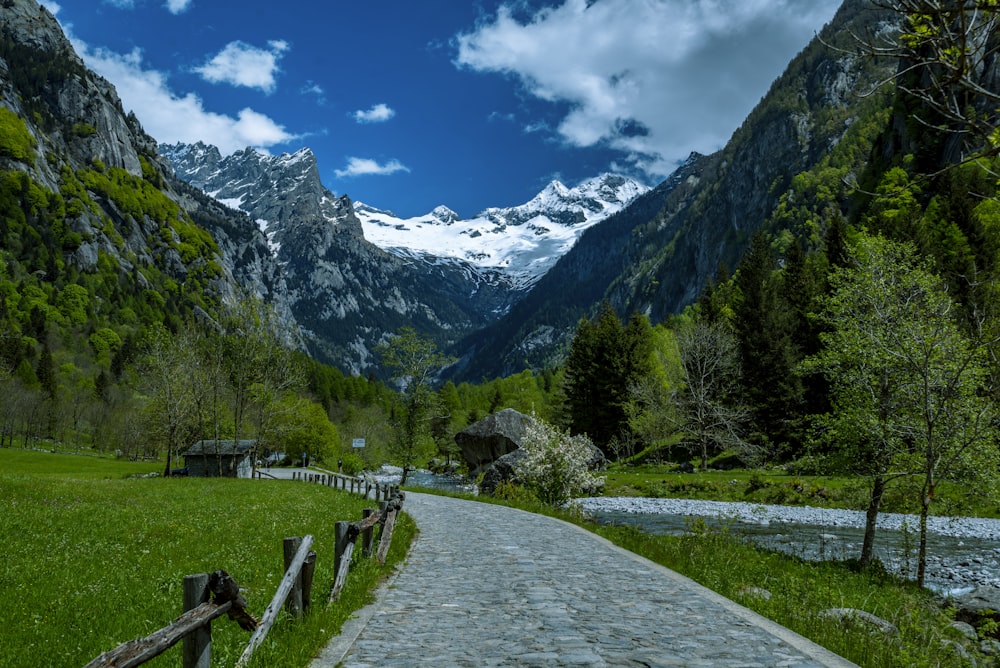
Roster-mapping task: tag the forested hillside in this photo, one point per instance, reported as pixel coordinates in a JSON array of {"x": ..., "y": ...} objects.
[{"x": 657, "y": 256}]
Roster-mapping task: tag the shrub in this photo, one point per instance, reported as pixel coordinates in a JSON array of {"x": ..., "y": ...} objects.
[
  {"x": 15, "y": 140},
  {"x": 555, "y": 467},
  {"x": 351, "y": 464}
]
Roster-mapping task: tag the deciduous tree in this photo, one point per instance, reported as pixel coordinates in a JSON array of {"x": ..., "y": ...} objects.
[
  {"x": 908, "y": 385},
  {"x": 708, "y": 407},
  {"x": 414, "y": 361},
  {"x": 168, "y": 373}
]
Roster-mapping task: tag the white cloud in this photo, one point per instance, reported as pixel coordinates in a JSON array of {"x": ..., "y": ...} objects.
[
  {"x": 537, "y": 126},
  {"x": 312, "y": 88},
  {"x": 380, "y": 113},
  {"x": 51, "y": 6},
  {"x": 655, "y": 79},
  {"x": 501, "y": 117},
  {"x": 177, "y": 6},
  {"x": 169, "y": 117},
  {"x": 369, "y": 167},
  {"x": 242, "y": 64},
  {"x": 121, "y": 4}
]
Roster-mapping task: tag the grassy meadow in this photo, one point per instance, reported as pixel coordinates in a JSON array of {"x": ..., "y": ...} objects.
[{"x": 94, "y": 557}]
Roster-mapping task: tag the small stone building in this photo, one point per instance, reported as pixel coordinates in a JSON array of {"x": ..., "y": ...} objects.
[{"x": 220, "y": 458}]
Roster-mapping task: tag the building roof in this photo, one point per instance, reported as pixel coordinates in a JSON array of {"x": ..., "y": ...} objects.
[{"x": 214, "y": 448}]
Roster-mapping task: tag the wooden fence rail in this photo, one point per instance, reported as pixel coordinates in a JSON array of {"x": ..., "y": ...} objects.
[
  {"x": 355, "y": 485},
  {"x": 347, "y": 535},
  {"x": 207, "y": 597}
]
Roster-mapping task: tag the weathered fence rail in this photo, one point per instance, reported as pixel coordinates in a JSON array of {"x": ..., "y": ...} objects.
[
  {"x": 355, "y": 485},
  {"x": 207, "y": 597}
]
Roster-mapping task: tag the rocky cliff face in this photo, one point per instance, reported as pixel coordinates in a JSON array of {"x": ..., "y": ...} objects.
[
  {"x": 82, "y": 136},
  {"x": 806, "y": 113},
  {"x": 346, "y": 293},
  {"x": 349, "y": 293}
]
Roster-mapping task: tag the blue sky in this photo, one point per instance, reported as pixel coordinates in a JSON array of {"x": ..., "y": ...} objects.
[{"x": 409, "y": 105}]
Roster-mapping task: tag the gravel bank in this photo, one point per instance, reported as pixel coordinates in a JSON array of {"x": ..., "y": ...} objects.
[{"x": 755, "y": 513}]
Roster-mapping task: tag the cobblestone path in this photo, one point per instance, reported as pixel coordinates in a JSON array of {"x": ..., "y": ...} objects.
[{"x": 486, "y": 585}]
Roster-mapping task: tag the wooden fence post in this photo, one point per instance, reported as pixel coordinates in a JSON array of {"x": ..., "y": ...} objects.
[
  {"x": 292, "y": 573},
  {"x": 390, "y": 522},
  {"x": 308, "y": 570},
  {"x": 197, "y": 646},
  {"x": 368, "y": 535},
  {"x": 294, "y": 602},
  {"x": 340, "y": 543}
]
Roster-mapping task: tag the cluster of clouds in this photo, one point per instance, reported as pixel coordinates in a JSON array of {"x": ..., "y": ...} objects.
[
  {"x": 173, "y": 117},
  {"x": 241, "y": 64},
  {"x": 652, "y": 79},
  {"x": 172, "y": 6}
]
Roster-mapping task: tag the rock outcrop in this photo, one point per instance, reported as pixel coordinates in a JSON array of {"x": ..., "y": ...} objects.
[
  {"x": 82, "y": 135},
  {"x": 491, "y": 438}
]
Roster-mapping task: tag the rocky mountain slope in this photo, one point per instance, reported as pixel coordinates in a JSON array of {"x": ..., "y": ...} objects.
[
  {"x": 113, "y": 208},
  {"x": 346, "y": 293},
  {"x": 657, "y": 255},
  {"x": 356, "y": 273}
]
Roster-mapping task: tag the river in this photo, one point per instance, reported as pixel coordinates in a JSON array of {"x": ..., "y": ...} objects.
[{"x": 962, "y": 552}]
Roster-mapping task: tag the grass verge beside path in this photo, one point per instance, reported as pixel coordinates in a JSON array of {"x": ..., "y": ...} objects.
[
  {"x": 797, "y": 591},
  {"x": 93, "y": 559}
]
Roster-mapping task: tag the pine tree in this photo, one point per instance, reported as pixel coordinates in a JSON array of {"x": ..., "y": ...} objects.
[
  {"x": 765, "y": 327},
  {"x": 605, "y": 360}
]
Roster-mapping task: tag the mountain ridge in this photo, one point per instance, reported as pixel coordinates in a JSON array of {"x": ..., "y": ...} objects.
[
  {"x": 522, "y": 242},
  {"x": 348, "y": 293}
]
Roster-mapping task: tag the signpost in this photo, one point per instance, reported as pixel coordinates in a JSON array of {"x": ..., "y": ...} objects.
[{"x": 358, "y": 443}]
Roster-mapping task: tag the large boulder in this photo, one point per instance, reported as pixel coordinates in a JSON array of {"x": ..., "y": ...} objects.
[
  {"x": 491, "y": 438},
  {"x": 502, "y": 470},
  {"x": 978, "y": 605}
]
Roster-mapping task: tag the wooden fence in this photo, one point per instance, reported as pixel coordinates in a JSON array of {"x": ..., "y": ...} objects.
[
  {"x": 347, "y": 483},
  {"x": 207, "y": 597}
]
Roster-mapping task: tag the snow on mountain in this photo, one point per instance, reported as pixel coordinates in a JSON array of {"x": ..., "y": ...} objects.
[{"x": 522, "y": 242}]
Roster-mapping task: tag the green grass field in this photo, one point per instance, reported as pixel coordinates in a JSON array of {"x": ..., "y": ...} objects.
[{"x": 94, "y": 557}]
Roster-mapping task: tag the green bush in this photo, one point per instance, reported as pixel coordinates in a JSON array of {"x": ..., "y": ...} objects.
[
  {"x": 84, "y": 129},
  {"x": 15, "y": 140},
  {"x": 511, "y": 491}
]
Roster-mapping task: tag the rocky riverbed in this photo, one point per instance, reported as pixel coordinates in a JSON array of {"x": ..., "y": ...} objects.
[{"x": 963, "y": 552}]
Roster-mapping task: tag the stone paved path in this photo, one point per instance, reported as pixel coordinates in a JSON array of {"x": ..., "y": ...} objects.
[{"x": 486, "y": 585}]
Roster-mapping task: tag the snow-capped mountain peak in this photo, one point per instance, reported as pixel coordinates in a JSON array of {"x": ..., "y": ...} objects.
[
  {"x": 444, "y": 214},
  {"x": 521, "y": 242}
]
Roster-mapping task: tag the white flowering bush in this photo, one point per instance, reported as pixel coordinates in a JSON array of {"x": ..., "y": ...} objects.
[{"x": 555, "y": 467}]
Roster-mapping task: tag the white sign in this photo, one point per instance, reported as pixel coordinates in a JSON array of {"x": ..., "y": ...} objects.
[{"x": 358, "y": 443}]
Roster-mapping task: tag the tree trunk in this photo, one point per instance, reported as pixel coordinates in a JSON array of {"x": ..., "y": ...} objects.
[
  {"x": 871, "y": 517},
  {"x": 925, "y": 507}
]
